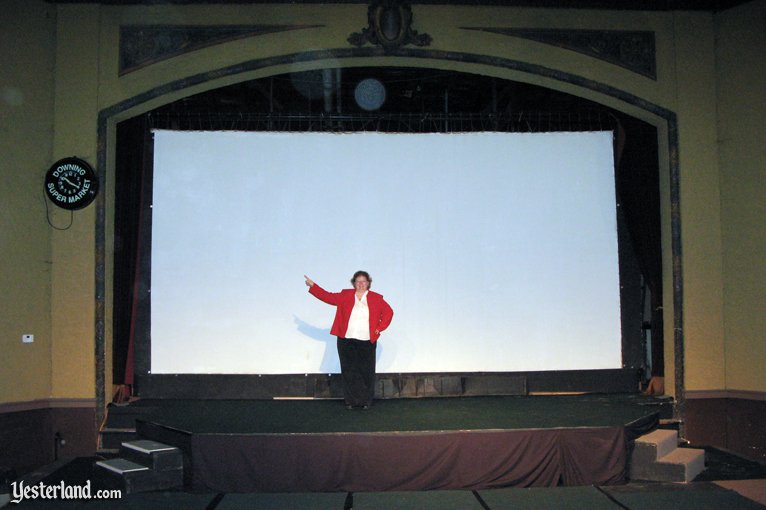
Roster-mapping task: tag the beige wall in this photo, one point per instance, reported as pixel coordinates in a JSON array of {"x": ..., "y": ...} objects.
[
  {"x": 57, "y": 282},
  {"x": 27, "y": 58},
  {"x": 694, "y": 98},
  {"x": 73, "y": 251},
  {"x": 741, "y": 107}
]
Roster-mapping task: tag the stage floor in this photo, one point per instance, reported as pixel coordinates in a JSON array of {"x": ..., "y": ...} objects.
[
  {"x": 402, "y": 444},
  {"x": 401, "y": 415}
]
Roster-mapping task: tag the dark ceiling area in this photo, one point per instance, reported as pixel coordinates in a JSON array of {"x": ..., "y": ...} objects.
[
  {"x": 386, "y": 99},
  {"x": 639, "y": 5},
  {"x": 410, "y": 90}
]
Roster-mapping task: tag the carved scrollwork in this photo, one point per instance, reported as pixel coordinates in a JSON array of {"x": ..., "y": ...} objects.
[
  {"x": 389, "y": 26},
  {"x": 142, "y": 45},
  {"x": 633, "y": 50}
]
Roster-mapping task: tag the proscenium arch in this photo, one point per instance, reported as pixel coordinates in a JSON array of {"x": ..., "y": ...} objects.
[{"x": 662, "y": 118}]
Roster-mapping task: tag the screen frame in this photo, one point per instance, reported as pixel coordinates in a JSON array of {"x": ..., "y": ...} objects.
[{"x": 322, "y": 385}]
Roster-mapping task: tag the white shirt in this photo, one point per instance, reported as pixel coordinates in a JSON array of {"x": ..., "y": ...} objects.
[{"x": 359, "y": 322}]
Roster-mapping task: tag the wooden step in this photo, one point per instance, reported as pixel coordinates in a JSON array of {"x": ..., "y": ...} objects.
[
  {"x": 153, "y": 454},
  {"x": 121, "y": 466},
  {"x": 658, "y": 443},
  {"x": 131, "y": 476},
  {"x": 112, "y": 438},
  {"x": 656, "y": 457},
  {"x": 684, "y": 463}
]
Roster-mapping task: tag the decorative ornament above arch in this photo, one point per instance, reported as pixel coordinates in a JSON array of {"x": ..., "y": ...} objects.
[{"x": 389, "y": 26}]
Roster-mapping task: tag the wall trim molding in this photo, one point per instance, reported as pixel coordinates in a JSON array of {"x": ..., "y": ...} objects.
[
  {"x": 47, "y": 403},
  {"x": 736, "y": 394}
]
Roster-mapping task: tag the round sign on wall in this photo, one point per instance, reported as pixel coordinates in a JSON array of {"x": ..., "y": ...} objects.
[{"x": 71, "y": 183}]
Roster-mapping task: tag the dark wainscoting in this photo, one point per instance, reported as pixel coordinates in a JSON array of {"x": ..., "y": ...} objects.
[
  {"x": 729, "y": 420},
  {"x": 28, "y": 432}
]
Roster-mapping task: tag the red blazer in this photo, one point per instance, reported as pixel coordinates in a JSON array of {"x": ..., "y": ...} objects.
[{"x": 380, "y": 311}]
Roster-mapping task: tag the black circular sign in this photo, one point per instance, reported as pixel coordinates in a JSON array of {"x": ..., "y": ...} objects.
[{"x": 71, "y": 183}]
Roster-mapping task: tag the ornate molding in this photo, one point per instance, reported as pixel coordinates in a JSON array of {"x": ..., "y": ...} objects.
[
  {"x": 142, "y": 45},
  {"x": 633, "y": 50},
  {"x": 390, "y": 26}
]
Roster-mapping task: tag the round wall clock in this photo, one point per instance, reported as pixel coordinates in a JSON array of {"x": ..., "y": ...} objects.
[{"x": 71, "y": 183}]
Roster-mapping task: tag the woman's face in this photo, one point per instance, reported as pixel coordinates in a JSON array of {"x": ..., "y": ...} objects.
[{"x": 361, "y": 284}]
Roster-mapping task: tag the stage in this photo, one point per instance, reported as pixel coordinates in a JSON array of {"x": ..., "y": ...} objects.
[{"x": 469, "y": 443}]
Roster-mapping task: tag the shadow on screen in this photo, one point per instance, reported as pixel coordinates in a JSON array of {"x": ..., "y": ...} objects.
[{"x": 330, "y": 363}]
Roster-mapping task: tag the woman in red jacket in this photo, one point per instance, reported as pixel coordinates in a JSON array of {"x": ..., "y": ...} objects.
[{"x": 360, "y": 316}]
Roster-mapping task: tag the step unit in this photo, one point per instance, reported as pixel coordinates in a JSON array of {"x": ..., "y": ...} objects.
[
  {"x": 656, "y": 457},
  {"x": 142, "y": 466},
  {"x": 111, "y": 439},
  {"x": 153, "y": 454},
  {"x": 120, "y": 426}
]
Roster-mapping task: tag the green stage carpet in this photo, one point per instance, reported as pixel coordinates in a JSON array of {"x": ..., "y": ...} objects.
[{"x": 405, "y": 415}]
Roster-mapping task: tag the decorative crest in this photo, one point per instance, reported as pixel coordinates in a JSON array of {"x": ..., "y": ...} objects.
[{"x": 389, "y": 26}]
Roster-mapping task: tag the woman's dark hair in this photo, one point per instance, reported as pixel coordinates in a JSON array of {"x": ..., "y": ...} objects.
[{"x": 361, "y": 273}]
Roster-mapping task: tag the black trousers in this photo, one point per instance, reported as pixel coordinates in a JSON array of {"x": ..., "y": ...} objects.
[{"x": 357, "y": 368}]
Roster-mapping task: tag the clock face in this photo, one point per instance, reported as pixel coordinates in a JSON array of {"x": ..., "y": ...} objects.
[{"x": 71, "y": 183}]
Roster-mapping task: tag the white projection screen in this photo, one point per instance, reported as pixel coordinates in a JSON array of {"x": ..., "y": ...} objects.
[{"x": 497, "y": 251}]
